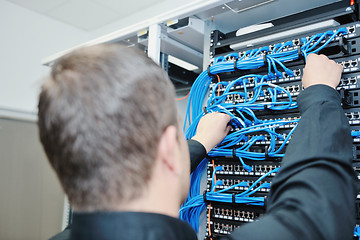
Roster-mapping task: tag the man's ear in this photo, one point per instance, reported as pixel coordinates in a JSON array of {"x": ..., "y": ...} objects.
[{"x": 167, "y": 147}]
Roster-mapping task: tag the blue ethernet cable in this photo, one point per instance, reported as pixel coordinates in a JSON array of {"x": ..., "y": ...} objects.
[
  {"x": 196, "y": 177},
  {"x": 191, "y": 209},
  {"x": 355, "y": 134},
  {"x": 218, "y": 168},
  {"x": 357, "y": 231}
]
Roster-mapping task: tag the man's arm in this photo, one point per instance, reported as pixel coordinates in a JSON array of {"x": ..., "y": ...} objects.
[
  {"x": 197, "y": 153},
  {"x": 211, "y": 130},
  {"x": 313, "y": 194}
]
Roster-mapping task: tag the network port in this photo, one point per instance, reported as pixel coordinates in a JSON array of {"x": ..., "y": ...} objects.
[
  {"x": 356, "y": 115},
  {"x": 349, "y": 115},
  {"x": 296, "y": 42},
  {"x": 351, "y": 29},
  {"x": 225, "y": 168},
  {"x": 241, "y": 54},
  {"x": 354, "y": 63},
  {"x": 230, "y": 59},
  {"x": 297, "y": 72},
  {"x": 352, "y": 80},
  {"x": 346, "y": 64},
  {"x": 251, "y": 80}
]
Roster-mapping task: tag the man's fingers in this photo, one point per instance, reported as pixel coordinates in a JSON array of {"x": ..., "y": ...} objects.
[
  {"x": 319, "y": 69},
  {"x": 228, "y": 128}
]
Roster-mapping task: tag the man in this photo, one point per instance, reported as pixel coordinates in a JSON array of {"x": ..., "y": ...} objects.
[{"x": 109, "y": 127}]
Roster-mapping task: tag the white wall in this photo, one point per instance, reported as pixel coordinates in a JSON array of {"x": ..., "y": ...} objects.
[
  {"x": 31, "y": 202},
  {"x": 27, "y": 37}
]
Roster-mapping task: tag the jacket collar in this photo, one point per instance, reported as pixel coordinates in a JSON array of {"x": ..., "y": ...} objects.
[{"x": 129, "y": 225}]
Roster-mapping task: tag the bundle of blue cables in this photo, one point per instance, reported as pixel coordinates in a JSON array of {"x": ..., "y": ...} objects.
[
  {"x": 247, "y": 128},
  {"x": 191, "y": 209},
  {"x": 254, "y": 59}
]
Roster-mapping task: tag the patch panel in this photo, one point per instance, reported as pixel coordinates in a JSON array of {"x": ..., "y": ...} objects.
[
  {"x": 224, "y": 228},
  {"x": 353, "y": 114},
  {"x": 350, "y": 84},
  {"x": 234, "y": 214},
  {"x": 350, "y": 65},
  {"x": 349, "y": 81},
  {"x": 258, "y": 170},
  {"x": 229, "y": 182},
  {"x": 331, "y": 49},
  {"x": 218, "y": 46},
  {"x": 231, "y": 167},
  {"x": 282, "y": 117},
  {"x": 250, "y": 82},
  {"x": 296, "y": 73},
  {"x": 294, "y": 91},
  {"x": 281, "y": 130},
  {"x": 224, "y": 215},
  {"x": 294, "y": 88},
  {"x": 246, "y": 181}
]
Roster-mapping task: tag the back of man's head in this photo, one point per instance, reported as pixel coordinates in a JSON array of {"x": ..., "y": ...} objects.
[{"x": 101, "y": 114}]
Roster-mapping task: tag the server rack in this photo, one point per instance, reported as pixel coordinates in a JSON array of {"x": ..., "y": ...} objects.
[{"x": 340, "y": 42}]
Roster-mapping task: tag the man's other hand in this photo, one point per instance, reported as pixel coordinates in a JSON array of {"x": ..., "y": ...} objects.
[
  {"x": 319, "y": 69},
  {"x": 212, "y": 129}
]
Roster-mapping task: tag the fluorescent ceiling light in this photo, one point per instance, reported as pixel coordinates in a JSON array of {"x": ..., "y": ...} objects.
[
  {"x": 288, "y": 33},
  {"x": 181, "y": 63}
]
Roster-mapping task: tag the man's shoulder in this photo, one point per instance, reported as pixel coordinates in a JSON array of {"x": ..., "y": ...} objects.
[{"x": 64, "y": 235}]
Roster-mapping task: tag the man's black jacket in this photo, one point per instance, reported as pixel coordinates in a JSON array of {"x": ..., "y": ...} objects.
[{"x": 312, "y": 196}]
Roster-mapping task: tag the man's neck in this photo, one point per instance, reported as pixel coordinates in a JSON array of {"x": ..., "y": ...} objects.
[
  {"x": 151, "y": 201},
  {"x": 162, "y": 205}
]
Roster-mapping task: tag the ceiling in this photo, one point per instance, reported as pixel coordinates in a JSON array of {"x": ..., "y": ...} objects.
[{"x": 86, "y": 14}]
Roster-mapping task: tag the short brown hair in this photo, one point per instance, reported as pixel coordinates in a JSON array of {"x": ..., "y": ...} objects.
[{"x": 101, "y": 115}]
